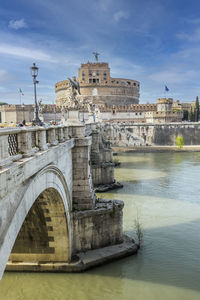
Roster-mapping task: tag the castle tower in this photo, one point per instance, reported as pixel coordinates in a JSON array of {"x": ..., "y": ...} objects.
[{"x": 164, "y": 104}]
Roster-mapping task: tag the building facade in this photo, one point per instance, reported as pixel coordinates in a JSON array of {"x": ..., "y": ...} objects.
[
  {"x": 15, "y": 113},
  {"x": 164, "y": 112}
]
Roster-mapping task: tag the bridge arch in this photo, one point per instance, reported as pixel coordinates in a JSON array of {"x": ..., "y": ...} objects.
[{"x": 40, "y": 230}]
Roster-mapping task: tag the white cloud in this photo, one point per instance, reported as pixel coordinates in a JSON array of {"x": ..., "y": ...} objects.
[
  {"x": 173, "y": 76},
  {"x": 17, "y": 24},
  {"x": 191, "y": 37},
  {"x": 4, "y": 75},
  {"x": 121, "y": 14},
  {"x": 25, "y": 52}
]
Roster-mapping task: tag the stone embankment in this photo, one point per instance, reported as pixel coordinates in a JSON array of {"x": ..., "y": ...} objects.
[{"x": 141, "y": 135}]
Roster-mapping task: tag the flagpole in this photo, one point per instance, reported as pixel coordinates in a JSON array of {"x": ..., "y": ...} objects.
[{"x": 20, "y": 98}]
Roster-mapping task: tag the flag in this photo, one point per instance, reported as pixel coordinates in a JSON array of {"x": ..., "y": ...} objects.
[
  {"x": 166, "y": 89},
  {"x": 20, "y": 91}
]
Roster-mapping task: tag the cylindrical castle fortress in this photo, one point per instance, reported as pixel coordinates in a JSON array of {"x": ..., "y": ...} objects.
[{"x": 98, "y": 87}]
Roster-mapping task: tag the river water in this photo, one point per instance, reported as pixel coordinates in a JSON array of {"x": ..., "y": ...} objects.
[{"x": 163, "y": 190}]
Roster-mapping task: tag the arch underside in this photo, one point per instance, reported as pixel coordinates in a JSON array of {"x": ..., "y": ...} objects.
[{"x": 43, "y": 236}]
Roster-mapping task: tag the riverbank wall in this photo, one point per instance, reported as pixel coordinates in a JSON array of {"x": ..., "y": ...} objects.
[{"x": 140, "y": 135}]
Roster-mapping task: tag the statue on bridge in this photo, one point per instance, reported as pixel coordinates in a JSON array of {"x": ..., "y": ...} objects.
[{"x": 75, "y": 87}]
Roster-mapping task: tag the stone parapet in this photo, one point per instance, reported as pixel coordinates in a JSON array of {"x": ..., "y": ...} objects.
[{"x": 26, "y": 141}]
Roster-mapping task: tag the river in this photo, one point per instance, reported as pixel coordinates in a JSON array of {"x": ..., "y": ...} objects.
[{"x": 163, "y": 190}]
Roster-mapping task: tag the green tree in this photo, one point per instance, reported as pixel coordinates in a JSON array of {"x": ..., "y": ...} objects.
[
  {"x": 191, "y": 115},
  {"x": 185, "y": 115},
  {"x": 180, "y": 141},
  {"x": 196, "y": 110}
]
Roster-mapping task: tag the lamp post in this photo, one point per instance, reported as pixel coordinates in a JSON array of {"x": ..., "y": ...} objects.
[
  {"x": 24, "y": 121},
  {"x": 83, "y": 111},
  {"x": 34, "y": 72}
]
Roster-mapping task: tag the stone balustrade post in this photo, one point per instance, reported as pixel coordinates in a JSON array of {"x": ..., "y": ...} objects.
[
  {"x": 4, "y": 154},
  {"x": 66, "y": 133},
  {"x": 77, "y": 131},
  {"x": 42, "y": 140},
  {"x": 25, "y": 143},
  {"x": 60, "y": 135},
  {"x": 52, "y": 136},
  {"x": 93, "y": 126}
]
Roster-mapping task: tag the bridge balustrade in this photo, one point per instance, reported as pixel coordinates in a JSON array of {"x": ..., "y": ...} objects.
[{"x": 16, "y": 143}]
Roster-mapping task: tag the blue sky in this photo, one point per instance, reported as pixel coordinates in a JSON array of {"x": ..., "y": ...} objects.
[{"x": 154, "y": 41}]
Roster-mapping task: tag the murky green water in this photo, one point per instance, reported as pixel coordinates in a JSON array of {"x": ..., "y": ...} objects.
[{"x": 164, "y": 190}]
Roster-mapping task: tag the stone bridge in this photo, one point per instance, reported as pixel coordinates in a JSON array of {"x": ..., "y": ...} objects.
[{"x": 50, "y": 218}]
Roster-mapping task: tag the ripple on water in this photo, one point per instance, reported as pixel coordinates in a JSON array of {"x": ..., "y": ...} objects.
[{"x": 123, "y": 175}]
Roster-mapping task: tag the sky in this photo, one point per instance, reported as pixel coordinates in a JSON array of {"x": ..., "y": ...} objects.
[{"x": 156, "y": 42}]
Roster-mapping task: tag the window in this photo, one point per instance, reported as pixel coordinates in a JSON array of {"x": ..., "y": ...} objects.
[
  {"x": 134, "y": 84},
  {"x": 90, "y": 80},
  {"x": 90, "y": 73},
  {"x": 97, "y": 73},
  {"x": 128, "y": 83}
]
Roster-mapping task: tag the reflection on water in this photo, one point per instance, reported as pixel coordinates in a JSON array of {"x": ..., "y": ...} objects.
[{"x": 164, "y": 189}]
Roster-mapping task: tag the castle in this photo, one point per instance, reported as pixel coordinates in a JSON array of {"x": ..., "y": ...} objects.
[
  {"x": 98, "y": 87},
  {"x": 116, "y": 98}
]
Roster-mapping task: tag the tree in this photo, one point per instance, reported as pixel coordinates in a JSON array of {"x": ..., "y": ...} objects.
[
  {"x": 185, "y": 115},
  {"x": 196, "y": 110},
  {"x": 191, "y": 115},
  {"x": 180, "y": 141}
]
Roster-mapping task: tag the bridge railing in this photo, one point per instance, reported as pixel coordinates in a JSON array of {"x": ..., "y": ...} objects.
[{"x": 18, "y": 142}]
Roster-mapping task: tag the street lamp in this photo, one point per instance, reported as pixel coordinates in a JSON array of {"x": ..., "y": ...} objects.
[
  {"x": 83, "y": 106},
  {"x": 34, "y": 72},
  {"x": 24, "y": 121}
]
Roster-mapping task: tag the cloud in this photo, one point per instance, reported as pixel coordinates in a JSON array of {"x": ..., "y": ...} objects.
[
  {"x": 120, "y": 15},
  {"x": 18, "y": 24},
  {"x": 25, "y": 53},
  {"x": 173, "y": 76},
  {"x": 190, "y": 37},
  {"x": 193, "y": 21},
  {"x": 4, "y": 75}
]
